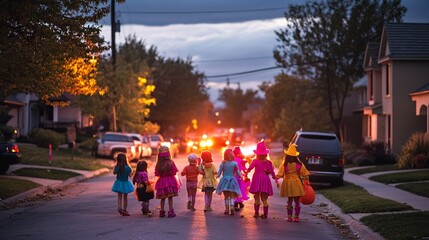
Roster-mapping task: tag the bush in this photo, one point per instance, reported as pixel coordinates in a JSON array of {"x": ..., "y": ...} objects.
[
  {"x": 44, "y": 137},
  {"x": 7, "y": 132},
  {"x": 415, "y": 152},
  {"x": 376, "y": 154}
]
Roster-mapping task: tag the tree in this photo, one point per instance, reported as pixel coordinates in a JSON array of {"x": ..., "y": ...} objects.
[
  {"x": 236, "y": 102},
  {"x": 40, "y": 41},
  {"x": 291, "y": 103},
  {"x": 180, "y": 95},
  {"x": 325, "y": 41},
  {"x": 127, "y": 89}
]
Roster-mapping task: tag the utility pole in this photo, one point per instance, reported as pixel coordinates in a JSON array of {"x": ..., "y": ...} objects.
[{"x": 113, "y": 30}]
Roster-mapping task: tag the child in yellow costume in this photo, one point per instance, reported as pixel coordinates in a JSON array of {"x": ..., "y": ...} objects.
[{"x": 293, "y": 172}]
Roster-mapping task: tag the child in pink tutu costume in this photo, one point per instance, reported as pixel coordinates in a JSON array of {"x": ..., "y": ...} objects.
[
  {"x": 261, "y": 185},
  {"x": 228, "y": 184},
  {"x": 166, "y": 186},
  {"x": 122, "y": 185},
  {"x": 208, "y": 182},
  {"x": 239, "y": 158},
  {"x": 191, "y": 172},
  {"x": 293, "y": 172}
]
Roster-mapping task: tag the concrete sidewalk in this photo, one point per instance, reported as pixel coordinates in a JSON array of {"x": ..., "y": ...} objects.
[
  {"x": 47, "y": 183},
  {"x": 387, "y": 191}
]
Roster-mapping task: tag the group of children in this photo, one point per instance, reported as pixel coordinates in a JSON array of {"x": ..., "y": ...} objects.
[{"x": 233, "y": 182}]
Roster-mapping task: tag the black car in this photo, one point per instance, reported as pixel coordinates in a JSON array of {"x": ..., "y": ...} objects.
[
  {"x": 9, "y": 154},
  {"x": 322, "y": 154}
]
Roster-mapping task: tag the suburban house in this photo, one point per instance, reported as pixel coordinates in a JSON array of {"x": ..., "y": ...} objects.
[
  {"x": 30, "y": 112},
  {"x": 397, "y": 92}
]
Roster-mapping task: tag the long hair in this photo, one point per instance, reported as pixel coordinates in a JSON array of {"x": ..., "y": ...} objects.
[
  {"x": 291, "y": 159},
  {"x": 121, "y": 161},
  {"x": 141, "y": 167},
  {"x": 163, "y": 164}
]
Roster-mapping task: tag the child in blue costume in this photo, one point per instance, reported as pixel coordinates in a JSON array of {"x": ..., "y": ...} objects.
[
  {"x": 228, "y": 184},
  {"x": 122, "y": 185}
]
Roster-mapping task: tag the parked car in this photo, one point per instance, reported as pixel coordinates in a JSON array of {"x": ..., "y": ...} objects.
[
  {"x": 143, "y": 146},
  {"x": 322, "y": 154},
  {"x": 9, "y": 154},
  {"x": 155, "y": 141},
  {"x": 113, "y": 142}
]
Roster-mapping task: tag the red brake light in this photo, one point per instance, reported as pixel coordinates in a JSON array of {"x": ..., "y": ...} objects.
[
  {"x": 341, "y": 162},
  {"x": 14, "y": 148}
]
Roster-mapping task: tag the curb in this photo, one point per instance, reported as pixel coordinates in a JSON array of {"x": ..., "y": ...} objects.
[
  {"x": 42, "y": 189},
  {"x": 358, "y": 228}
]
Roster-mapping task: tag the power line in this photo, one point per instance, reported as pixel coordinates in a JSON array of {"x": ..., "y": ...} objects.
[
  {"x": 232, "y": 59},
  {"x": 242, "y": 73},
  {"x": 205, "y": 12}
]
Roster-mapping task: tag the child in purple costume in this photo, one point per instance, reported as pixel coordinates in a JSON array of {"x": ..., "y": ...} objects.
[
  {"x": 166, "y": 186},
  {"x": 141, "y": 180},
  {"x": 239, "y": 158},
  {"x": 261, "y": 185}
]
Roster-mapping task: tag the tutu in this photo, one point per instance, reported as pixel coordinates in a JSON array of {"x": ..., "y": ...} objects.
[
  {"x": 228, "y": 184},
  {"x": 122, "y": 187},
  {"x": 167, "y": 187}
]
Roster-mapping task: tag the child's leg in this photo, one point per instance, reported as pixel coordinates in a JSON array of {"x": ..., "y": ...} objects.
[
  {"x": 162, "y": 204},
  {"x": 193, "y": 196},
  {"x": 289, "y": 209},
  {"x": 210, "y": 194},
  {"x": 125, "y": 201},
  {"x": 170, "y": 208},
  {"x": 264, "y": 197},
  {"x": 226, "y": 199},
  {"x": 119, "y": 201},
  {"x": 297, "y": 209},
  {"x": 257, "y": 204}
]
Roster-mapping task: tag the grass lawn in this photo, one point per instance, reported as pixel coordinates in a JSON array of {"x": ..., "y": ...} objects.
[
  {"x": 378, "y": 168},
  {"x": 400, "y": 226},
  {"x": 419, "y": 188},
  {"x": 401, "y": 177},
  {"x": 354, "y": 199},
  {"x": 10, "y": 187},
  {"x": 45, "y": 173},
  {"x": 34, "y": 155}
]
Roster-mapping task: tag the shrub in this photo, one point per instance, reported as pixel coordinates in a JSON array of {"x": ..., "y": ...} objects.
[
  {"x": 7, "y": 132},
  {"x": 44, "y": 137},
  {"x": 415, "y": 152},
  {"x": 376, "y": 153}
]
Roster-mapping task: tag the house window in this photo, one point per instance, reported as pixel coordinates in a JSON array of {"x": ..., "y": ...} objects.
[
  {"x": 388, "y": 80},
  {"x": 389, "y": 130},
  {"x": 370, "y": 86}
]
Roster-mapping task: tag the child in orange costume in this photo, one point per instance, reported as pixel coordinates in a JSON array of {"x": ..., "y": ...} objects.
[{"x": 293, "y": 171}]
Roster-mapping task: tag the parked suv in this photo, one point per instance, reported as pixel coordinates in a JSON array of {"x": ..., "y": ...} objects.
[
  {"x": 321, "y": 153},
  {"x": 112, "y": 142},
  {"x": 143, "y": 149}
]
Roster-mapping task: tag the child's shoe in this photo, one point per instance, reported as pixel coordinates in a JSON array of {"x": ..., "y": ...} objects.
[
  {"x": 289, "y": 219},
  {"x": 120, "y": 211},
  {"x": 162, "y": 213},
  {"x": 171, "y": 213},
  {"x": 296, "y": 219},
  {"x": 231, "y": 211},
  {"x": 125, "y": 213},
  {"x": 189, "y": 205},
  {"x": 209, "y": 208},
  {"x": 236, "y": 208},
  {"x": 241, "y": 205}
]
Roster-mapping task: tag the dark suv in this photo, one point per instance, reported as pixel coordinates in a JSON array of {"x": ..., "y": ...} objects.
[
  {"x": 321, "y": 153},
  {"x": 9, "y": 154}
]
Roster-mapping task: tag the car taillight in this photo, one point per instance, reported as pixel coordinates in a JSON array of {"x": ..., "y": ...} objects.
[
  {"x": 341, "y": 162},
  {"x": 14, "y": 148}
]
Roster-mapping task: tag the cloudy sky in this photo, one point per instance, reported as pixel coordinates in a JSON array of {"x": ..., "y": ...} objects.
[{"x": 222, "y": 36}]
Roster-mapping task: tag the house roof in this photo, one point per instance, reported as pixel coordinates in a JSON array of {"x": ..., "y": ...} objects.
[
  {"x": 371, "y": 55},
  {"x": 362, "y": 82},
  {"x": 404, "y": 41},
  {"x": 421, "y": 90},
  {"x": 12, "y": 100}
]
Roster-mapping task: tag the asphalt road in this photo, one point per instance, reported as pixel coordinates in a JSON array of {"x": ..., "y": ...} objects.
[{"x": 87, "y": 210}]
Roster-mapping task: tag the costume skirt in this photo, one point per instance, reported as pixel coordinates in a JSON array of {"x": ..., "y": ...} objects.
[
  {"x": 228, "y": 184},
  {"x": 243, "y": 188},
  {"x": 166, "y": 186},
  {"x": 141, "y": 193},
  {"x": 261, "y": 182},
  {"x": 123, "y": 187}
]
